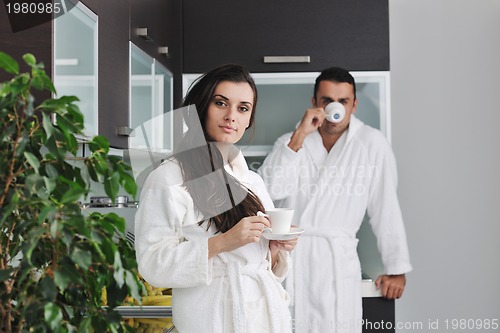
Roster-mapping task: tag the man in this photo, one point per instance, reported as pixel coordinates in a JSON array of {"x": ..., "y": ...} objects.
[{"x": 332, "y": 174}]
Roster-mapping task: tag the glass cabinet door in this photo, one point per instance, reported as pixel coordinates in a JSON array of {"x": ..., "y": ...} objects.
[
  {"x": 163, "y": 105},
  {"x": 141, "y": 97},
  {"x": 151, "y": 100},
  {"x": 75, "y": 61}
]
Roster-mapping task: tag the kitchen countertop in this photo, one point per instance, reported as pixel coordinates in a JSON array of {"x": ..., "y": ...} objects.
[{"x": 368, "y": 289}]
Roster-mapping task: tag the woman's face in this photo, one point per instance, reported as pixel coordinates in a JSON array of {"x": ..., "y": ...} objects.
[{"x": 229, "y": 111}]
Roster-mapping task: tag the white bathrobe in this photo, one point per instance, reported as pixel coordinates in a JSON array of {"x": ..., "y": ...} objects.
[
  {"x": 331, "y": 193},
  {"x": 234, "y": 292}
]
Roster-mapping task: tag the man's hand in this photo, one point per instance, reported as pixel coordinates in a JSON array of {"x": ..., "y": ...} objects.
[
  {"x": 311, "y": 121},
  {"x": 392, "y": 286}
]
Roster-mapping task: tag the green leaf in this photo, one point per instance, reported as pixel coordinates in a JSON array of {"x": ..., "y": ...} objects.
[
  {"x": 66, "y": 274},
  {"x": 32, "y": 246},
  {"x": 51, "y": 171},
  {"x": 133, "y": 284},
  {"x": 34, "y": 185},
  {"x": 8, "y": 63},
  {"x": 64, "y": 100},
  {"x": 6, "y": 274},
  {"x": 119, "y": 272},
  {"x": 29, "y": 59},
  {"x": 82, "y": 258},
  {"x": 129, "y": 184},
  {"x": 112, "y": 185},
  {"x": 115, "y": 221},
  {"x": 40, "y": 79},
  {"x": 32, "y": 160},
  {"x": 66, "y": 125},
  {"x": 7, "y": 209},
  {"x": 86, "y": 326},
  {"x": 102, "y": 142},
  {"x": 47, "y": 125},
  {"x": 47, "y": 213},
  {"x": 37, "y": 82},
  {"x": 55, "y": 228},
  {"x": 74, "y": 194},
  {"x": 48, "y": 288},
  {"x": 53, "y": 316},
  {"x": 89, "y": 163},
  {"x": 50, "y": 184},
  {"x": 100, "y": 164}
]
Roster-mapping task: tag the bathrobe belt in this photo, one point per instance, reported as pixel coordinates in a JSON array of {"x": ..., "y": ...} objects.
[
  {"x": 337, "y": 239},
  {"x": 234, "y": 271}
]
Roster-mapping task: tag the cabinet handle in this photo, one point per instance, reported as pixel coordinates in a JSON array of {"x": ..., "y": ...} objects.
[
  {"x": 163, "y": 50},
  {"x": 123, "y": 131},
  {"x": 286, "y": 59},
  {"x": 143, "y": 32}
]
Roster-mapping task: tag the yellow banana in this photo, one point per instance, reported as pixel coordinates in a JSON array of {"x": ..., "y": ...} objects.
[
  {"x": 154, "y": 321},
  {"x": 104, "y": 296},
  {"x": 161, "y": 300}
]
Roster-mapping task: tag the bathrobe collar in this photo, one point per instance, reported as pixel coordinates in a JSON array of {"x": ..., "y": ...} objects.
[
  {"x": 237, "y": 166},
  {"x": 314, "y": 142}
]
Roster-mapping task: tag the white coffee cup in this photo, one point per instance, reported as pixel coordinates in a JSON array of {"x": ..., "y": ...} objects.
[
  {"x": 335, "y": 112},
  {"x": 281, "y": 219}
]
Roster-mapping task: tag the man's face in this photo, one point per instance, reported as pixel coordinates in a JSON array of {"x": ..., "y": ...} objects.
[{"x": 341, "y": 92}]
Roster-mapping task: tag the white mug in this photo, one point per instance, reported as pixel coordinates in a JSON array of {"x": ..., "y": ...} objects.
[{"x": 281, "y": 219}]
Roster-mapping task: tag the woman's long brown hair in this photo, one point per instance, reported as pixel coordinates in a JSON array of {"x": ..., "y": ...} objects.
[{"x": 220, "y": 197}]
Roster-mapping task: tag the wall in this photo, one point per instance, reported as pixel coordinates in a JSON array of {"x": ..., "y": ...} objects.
[{"x": 445, "y": 122}]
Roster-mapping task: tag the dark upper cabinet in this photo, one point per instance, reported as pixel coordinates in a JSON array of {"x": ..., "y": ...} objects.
[
  {"x": 113, "y": 70},
  {"x": 36, "y": 40},
  {"x": 162, "y": 20},
  {"x": 350, "y": 33}
]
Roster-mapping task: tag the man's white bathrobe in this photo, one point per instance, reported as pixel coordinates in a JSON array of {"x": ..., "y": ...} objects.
[
  {"x": 331, "y": 193},
  {"x": 234, "y": 292}
]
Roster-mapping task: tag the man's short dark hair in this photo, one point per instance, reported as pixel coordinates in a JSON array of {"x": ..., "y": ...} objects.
[{"x": 335, "y": 74}]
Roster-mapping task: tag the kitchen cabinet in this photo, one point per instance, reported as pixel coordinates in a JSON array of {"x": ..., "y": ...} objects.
[
  {"x": 113, "y": 70},
  {"x": 111, "y": 18},
  {"x": 378, "y": 315},
  {"x": 153, "y": 26},
  {"x": 112, "y": 61},
  {"x": 345, "y": 33},
  {"x": 108, "y": 109},
  {"x": 156, "y": 28}
]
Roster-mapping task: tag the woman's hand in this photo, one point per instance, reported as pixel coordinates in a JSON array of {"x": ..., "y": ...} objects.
[
  {"x": 285, "y": 245},
  {"x": 247, "y": 230}
]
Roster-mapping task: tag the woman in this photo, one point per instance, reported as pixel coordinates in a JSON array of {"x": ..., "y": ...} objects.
[{"x": 197, "y": 229}]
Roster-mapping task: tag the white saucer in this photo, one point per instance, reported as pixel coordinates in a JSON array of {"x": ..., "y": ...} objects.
[{"x": 294, "y": 233}]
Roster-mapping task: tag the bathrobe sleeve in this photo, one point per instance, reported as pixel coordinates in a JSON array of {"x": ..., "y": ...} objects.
[
  {"x": 280, "y": 170},
  {"x": 165, "y": 257},
  {"x": 383, "y": 207}
]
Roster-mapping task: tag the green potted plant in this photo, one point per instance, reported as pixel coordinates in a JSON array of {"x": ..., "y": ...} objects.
[{"x": 54, "y": 260}]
